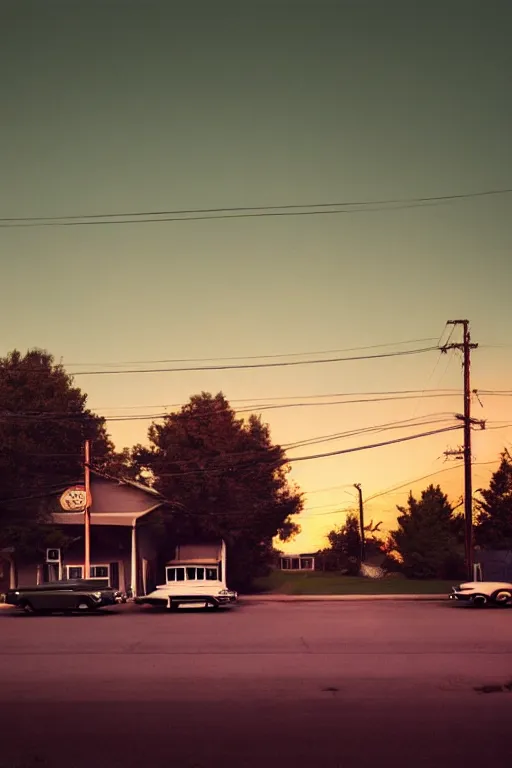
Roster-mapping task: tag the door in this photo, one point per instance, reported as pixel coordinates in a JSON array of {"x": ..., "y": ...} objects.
[{"x": 114, "y": 575}]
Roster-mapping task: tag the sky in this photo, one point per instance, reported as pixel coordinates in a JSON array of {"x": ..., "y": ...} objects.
[{"x": 123, "y": 106}]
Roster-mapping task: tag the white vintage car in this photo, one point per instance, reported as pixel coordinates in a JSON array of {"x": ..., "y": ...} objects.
[
  {"x": 196, "y": 577},
  {"x": 480, "y": 593}
]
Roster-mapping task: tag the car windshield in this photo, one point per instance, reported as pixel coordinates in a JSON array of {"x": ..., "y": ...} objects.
[{"x": 192, "y": 573}]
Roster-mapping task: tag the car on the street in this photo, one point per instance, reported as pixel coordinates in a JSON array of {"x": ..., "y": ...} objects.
[
  {"x": 196, "y": 577},
  {"x": 193, "y": 586},
  {"x": 480, "y": 593},
  {"x": 68, "y": 596}
]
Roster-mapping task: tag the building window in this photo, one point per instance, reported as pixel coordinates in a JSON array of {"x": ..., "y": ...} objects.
[
  {"x": 100, "y": 571},
  {"x": 97, "y": 572},
  {"x": 285, "y": 563},
  {"x": 306, "y": 564},
  {"x": 74, "y": 571},
  {"x": 295, "y": 564}
]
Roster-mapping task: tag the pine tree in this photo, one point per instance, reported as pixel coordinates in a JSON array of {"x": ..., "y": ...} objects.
[
  {"x": 428, "y": 537},
  {"x": 493, "y": 528}
]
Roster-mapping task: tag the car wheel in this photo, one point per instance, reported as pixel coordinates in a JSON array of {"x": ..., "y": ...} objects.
[
  {"x": 479, "y": 600},
  {"x": 27, "y": 608},
  {"x": 502, "y": 597}
]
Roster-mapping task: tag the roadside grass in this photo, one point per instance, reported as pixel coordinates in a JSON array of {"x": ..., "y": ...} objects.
[{"x": 319, "y": 583}]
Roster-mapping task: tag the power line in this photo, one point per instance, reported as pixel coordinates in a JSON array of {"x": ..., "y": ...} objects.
[
  {"x": 425, "y": 477},
  {"x": 406, "y": 423},
  {"x": 282, "y": 462},
  {"x": 436, "y": 364},
  {"x": 374, "y": 445},
  {"x": 231, "y": 212},
  {"x": 79, "y": 417},
  {"x": 330, "y": 488},
  {"x": 341, "y": 507},
  {"x": 341, "y": 402},
  {"x": 279, "y": 364},
  {"x": 259, "y": 357},
  {"x": 259, "y": 215},
  {"x": 257, "y": 401},
  {"x": 66, "y": 416}
]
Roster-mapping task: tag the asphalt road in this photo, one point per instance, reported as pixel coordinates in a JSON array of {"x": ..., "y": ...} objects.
[{"x": 311, "y": 684}]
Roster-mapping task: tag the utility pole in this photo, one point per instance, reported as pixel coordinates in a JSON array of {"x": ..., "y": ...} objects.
[
  {"x": 87, "y": 509},
  {"x": 466, "y": 346},
  {"x": 361, "y": 520}
]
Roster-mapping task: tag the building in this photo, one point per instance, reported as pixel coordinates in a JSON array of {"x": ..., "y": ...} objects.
[
  {"x": 304, "y": 562},
  {"x": 124, "y": 535}
]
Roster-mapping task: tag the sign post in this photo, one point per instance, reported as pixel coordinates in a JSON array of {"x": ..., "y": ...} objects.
[{"x": 78, "y": 499}]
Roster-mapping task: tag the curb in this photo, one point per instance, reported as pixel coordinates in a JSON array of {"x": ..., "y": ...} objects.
[{"x": 338, "y": 598}]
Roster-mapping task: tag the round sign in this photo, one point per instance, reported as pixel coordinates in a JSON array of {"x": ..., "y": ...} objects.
[{"x": 74, "y": 499}]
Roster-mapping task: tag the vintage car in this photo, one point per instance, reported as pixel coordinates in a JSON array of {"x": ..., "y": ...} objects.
[
  {"x": 63, "y": 596},
  {"x": 480, "y": 593},
  {"x": 195, "y": 578}
]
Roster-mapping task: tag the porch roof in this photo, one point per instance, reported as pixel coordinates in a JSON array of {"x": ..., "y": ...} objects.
[{"x": 126, "y": 519}]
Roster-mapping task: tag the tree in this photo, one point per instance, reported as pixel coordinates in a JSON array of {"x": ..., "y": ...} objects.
[
  {"x": 493, "y": 528},
  {"x": 344, "y": 552},
  {"x": 43, "y": 424},
  {"x": 229, "y": 478},
  {"x": 345, "y": 545},
  {"x": 119, "y": 464},
  {"x": 429, "y": 537}
]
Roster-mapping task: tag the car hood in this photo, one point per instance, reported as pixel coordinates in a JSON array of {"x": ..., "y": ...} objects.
[{"x": 487, "y": 585}]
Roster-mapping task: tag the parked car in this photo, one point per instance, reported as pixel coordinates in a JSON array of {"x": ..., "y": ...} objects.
[
  {"x": 196, "y": 577},
  {"x": 480, "y": 593},
  {"x": 62, "y": 596}
]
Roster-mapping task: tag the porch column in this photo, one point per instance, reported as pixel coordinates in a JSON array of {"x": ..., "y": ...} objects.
[
  {"x": 12, "y": 574},
  {"x": 144, "y": 576},
  {"x": 133, "y": 575}
]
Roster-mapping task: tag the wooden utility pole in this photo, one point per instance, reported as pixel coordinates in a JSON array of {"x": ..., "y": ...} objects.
[
  {"x": 87, "y": 510},
  {"x": 466, "y": 346},
  {"x": 361, "y": 520}
]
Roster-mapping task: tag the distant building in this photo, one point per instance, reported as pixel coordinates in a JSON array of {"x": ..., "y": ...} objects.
[{"x": 305, "y": 562}]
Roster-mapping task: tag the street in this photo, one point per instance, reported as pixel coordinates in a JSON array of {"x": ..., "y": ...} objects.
[{"x": 266, "y": 684}]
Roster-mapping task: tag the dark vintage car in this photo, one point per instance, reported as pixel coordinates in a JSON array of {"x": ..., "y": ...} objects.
[{"x": 63, "y": 596}]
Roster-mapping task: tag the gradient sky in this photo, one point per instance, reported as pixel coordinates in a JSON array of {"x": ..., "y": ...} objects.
[{"x": 129, "y": 106}]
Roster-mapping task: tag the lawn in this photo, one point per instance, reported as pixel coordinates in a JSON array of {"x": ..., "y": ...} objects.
[{"x": 319, "y": 583}]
